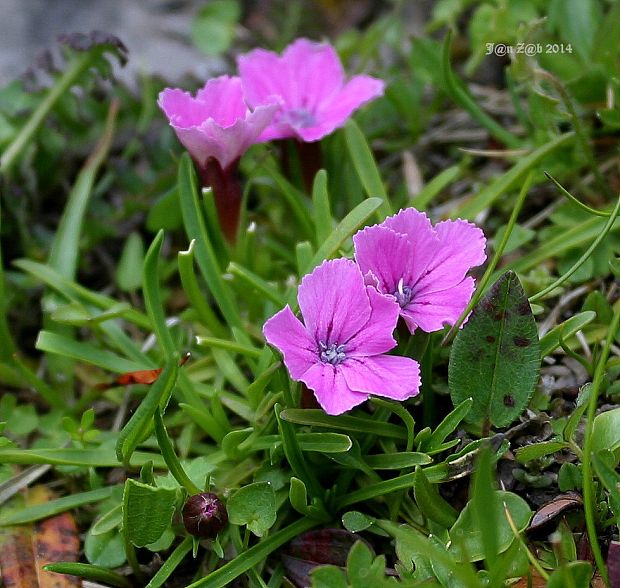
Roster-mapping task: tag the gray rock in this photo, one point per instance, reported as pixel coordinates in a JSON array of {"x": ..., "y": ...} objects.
[{"x": 156, "y": 32}]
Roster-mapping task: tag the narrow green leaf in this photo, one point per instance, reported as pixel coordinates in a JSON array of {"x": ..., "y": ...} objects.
[
  {"x": 485, "y": 507},
  {"x": 294, "y": 454},
  {"x": 537, "y": 450},
  {"x": 430, "y": 502},
  {"x": 205, "y": 421},
  {"x": 86, "y": 352},
  {"x": 147, "y": 511},
  {"x": 439, "y": 183},
  {"x": 103, "y": 457},
  {"x": 366, "y": 167},
  {"x": 296, "y": 200},
  {"x": 205, "y": 256},
  {"x": 397, "y": 461},
  {"x": 495, "y": 358},
  {"x": 225, "y": 575},
  {"x": 324, "y": 442},
  {"x": 198, "y": 301},
  {"x": 448, "y": 424},
  {"x": 551, "y": 341},
  {"x": 152, "y": 296},
  {"x": 171, "y": 563},
  {"x": 134, "y": 430},
  {"x": 89, "y": 572},
  {"x": 303, "y": 255},
  {"x": 318, "y": 418},
  {"x": 53, "y": 507},
  {"x": 322, "y": 211},
  {"x": 130, "y": 264},
  {"x": 108, "y": 521},
  {"x": 347, "y": 226},
  {"x": 65, "y": 247},
  {"x": 255, "y": 282},
  {"x": 170, "y": 457},
  {"x": 75, "y": 292}
]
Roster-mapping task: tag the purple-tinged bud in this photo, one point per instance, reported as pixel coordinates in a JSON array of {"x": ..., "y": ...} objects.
[{"x": 204, "y": 515}]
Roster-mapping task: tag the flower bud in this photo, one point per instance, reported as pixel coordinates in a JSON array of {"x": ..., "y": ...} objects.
[{"x": 204, "y": 515}]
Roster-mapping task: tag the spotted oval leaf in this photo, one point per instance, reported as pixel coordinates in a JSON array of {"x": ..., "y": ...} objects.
[{"x": 495, "y": 358}]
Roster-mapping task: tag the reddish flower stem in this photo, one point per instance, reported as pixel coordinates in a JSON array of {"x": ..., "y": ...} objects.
[{"x": 226, "y": 192}]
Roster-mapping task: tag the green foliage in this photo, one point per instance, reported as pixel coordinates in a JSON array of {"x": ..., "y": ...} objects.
[
  {"x": 147, "y": 512},
  {"x": 214, "y": 26},
  {"x": 89, "y": 275}
]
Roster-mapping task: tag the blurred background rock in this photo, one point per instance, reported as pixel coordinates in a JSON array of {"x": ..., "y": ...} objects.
[{"x": 173, "y": 38}]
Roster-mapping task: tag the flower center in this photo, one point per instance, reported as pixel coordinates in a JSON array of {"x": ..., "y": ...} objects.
[
  {"x": 333, "y": 354},
  {"x": 403, "y": 294},
  {"x": 300, "y": 118}
]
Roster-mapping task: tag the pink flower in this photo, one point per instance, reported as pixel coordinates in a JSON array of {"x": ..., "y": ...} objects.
[
  {"x": 339, "y": 349},
  {"x": 217, "y": 122},
  {"x": 310, "y": 83},
  {"x": 421, "y": 266}
]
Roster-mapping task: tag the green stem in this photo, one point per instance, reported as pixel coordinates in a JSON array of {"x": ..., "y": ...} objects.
[
  {"x": 170, "y": 457},
  {"x": 12, "y": 152},
  {"x": 171, "y": 563},
  {"x": 428, "y": 399},
  {"x": 499, "y": 251},
  {"x": 608, "y": 225},
  {"x": 195, "y": 295},
  {"x": 588, "y": 483},
  {"x": 581, "y": 205},
  {"x": 242, "y": 563}
]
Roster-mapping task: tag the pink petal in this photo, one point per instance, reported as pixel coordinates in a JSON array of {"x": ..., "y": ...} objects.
[
  {"x": 317, "y": 72},
  {"x": 334, "y": 111},
  {"x": 331, "y": 389},
  {"x": 390, "y": 256},
  {"x": 461, "y": 248},
  {"x": 333, "y": 301},
  {"x": 309, "y": 81},
  {"x": 225, "y": 144},
  {"x": 431, "y": 310},
  {"x": 221, "y": 99},
  {"x": 285, "y": 332},
  {"x": 305, "y": 75},
  {"x": 376, "y": 335},
  {"x": 383, "y": 375}
]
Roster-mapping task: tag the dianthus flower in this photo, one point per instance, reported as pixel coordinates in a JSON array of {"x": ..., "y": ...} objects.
[
  {"x": 339, "y": 349},
  {"x": 422, "y": 267},
  {"x": 217, "y": 122},
  {"x": 309, "y": 82},
  {"x": 216, "y": 127}
]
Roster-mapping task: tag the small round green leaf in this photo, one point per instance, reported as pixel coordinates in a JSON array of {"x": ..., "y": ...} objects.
[
  {"x": 253, "y": 505},
  {"x": 606, "y": 431},
  {"x": 466, "y": 538}
]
